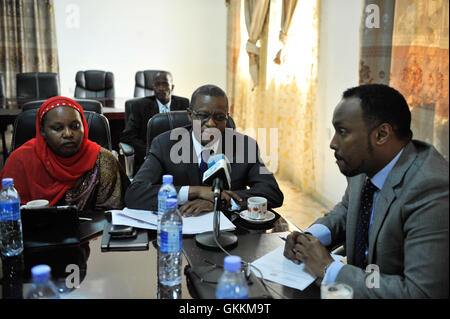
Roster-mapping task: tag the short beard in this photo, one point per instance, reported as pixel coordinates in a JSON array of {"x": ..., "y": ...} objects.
[{"x": 360, "y": 168}]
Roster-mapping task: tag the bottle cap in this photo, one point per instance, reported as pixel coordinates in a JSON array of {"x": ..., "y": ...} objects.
[
  {"x": 167, "y": 179},
  {"x": 6, "y": 182},
  {"x": 171, "y": 203},
  {"x": 41, "y": 273},
  {"x": 232, "y": 263}
]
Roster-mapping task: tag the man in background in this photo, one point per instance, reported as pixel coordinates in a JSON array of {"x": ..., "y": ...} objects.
[{"x": 135, "y": 132}]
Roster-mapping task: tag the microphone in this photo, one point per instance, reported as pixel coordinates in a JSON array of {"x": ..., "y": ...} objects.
[
  {"x": 218, "y": 172},
  {"x": 217, "y": 175}
]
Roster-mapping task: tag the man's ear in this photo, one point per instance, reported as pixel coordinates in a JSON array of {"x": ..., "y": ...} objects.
[{"x": 383, "y": 133}]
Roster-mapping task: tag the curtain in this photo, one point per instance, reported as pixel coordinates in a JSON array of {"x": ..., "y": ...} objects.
[
  {"x": 233, "y": 49},
  {"x": 27, "y": 39},
  {"x": 420, "y": 67},
  {"x": 255, "y": 16},
  {"x": 376, "y": 41},
  {"x": 279, "y": 112},
  {"x": 409, "y": 50},
  {"x": 286, "y": 20}
]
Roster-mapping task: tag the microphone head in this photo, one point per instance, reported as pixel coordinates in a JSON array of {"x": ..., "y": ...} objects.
[
  {"x": 215, "y": 158},
  {"x": 218, "y": 167}
]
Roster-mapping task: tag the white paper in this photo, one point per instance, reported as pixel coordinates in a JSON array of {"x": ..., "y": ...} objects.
[
  {"x": 277, "y": 268},
  {"x": 148, "y": 220}
]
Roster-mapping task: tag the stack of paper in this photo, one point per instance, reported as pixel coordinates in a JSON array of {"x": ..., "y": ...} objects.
[
  {"x": 149, "y": 220},
  {"x": 277, "y": 268}
]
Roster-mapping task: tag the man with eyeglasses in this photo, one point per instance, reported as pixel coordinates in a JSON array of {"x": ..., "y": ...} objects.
[
  {"x": 184, "y": 152},
  {"x": 135, "y": 132}
]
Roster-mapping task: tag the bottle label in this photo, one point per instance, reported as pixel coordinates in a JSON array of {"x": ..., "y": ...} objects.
[
  {"x": 10, "y": 210},
  {"x": 162, "y": 207},
  {"x": 171, "y": 240}
]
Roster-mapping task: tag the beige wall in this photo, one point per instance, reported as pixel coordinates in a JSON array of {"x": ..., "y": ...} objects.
[
  {"x": 338, "y": 70},
  {"x": 124, "y": 36}
]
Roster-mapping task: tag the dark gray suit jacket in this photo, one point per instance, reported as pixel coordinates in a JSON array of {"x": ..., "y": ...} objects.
[
  {"x": 135, "y": 132},
  {"x": 247, "y": 169},
  {"x": 409, "y": 235}
]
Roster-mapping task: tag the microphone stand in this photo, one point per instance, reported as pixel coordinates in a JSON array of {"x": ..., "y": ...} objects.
[{"x": 216, "y": 240}]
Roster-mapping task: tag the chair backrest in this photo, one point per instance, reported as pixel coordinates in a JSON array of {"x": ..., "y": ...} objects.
[
  {"x": 37, "y": 85},
  {"x": 25, "y": 128},
  {"x": 94, "y": 84},
  {"x": 163, "y": 122},
  {"x": 128, "y": 105},
  {"x": 2, "y": 86},
  {"x": 144, "y": 83},
  {"x": 87, "y": 105}
]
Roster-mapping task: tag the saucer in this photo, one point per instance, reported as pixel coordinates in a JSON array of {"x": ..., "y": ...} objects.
[
  {"x": 36, "y": 204},
  {"x": 268, "y": 217}
]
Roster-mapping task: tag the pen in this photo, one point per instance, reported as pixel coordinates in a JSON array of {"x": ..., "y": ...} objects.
[{"x": 283, "y": 238}]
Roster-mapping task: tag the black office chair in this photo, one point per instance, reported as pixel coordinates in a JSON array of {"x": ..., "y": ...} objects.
[
  {"x": 144, "y": 83},
  {"x": 25, "y": 128},
  {"x": 94, "y": 84},
  {"x": 87, "y": 105},
  {"x": 36, "y": 85}
]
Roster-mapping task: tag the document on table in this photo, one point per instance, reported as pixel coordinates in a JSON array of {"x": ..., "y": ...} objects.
[
  {"x": 149, "y": 220},
  {"x": 277, "y": 268}
]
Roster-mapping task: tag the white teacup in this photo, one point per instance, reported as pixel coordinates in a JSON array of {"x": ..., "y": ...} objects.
[
  {"x": 257, "y": 207},
  {"x": 38, "y": 203}
]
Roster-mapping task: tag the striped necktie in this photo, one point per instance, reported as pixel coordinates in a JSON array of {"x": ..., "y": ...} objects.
[{"x": 165, "y": 109}]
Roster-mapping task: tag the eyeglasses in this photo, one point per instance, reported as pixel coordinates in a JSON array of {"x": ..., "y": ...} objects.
[
  {"x": 164, "y": 85},
  {"x": 218, "y": 118}
]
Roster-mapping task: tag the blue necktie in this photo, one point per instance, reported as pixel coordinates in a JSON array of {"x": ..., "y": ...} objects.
[
  {"x": 362, "y": 228},
  {"x": 165, "y": 109},
  {"x": 203, "y": 163}
]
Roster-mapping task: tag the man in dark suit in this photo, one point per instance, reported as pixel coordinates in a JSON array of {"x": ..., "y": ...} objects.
[
  {"x": 135, "y": 132},
  {"x": 183, "y": 151},
  {"x": 393, "y": 218}
]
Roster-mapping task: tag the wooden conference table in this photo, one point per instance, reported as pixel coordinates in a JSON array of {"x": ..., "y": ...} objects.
[{"x": 133, "y": 274}]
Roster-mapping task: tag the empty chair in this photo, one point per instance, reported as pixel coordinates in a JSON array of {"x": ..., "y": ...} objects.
[
  {"x": 36, "y": 85},
  {"x": 94, "y": 84},
  {"x": 87, "y": 105},
  {"x": 144, "y": 83},
  {"x": 25, "y": 128}
]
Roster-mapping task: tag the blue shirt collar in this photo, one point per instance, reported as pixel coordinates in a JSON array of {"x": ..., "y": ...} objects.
[{"x": 380, "y": 177}]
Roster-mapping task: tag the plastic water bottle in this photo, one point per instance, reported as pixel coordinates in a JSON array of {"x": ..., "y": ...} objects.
[
  {"x": 232, "y": 284},
  {"x": 10, "y": 222},
  {"x": 43, "y": 287},
  {"x": 166, "y": 191},
  {"x": 170, "y": 250}
]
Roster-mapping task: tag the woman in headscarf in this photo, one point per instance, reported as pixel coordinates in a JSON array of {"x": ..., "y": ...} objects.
[{"x": 62, "y": 165}]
